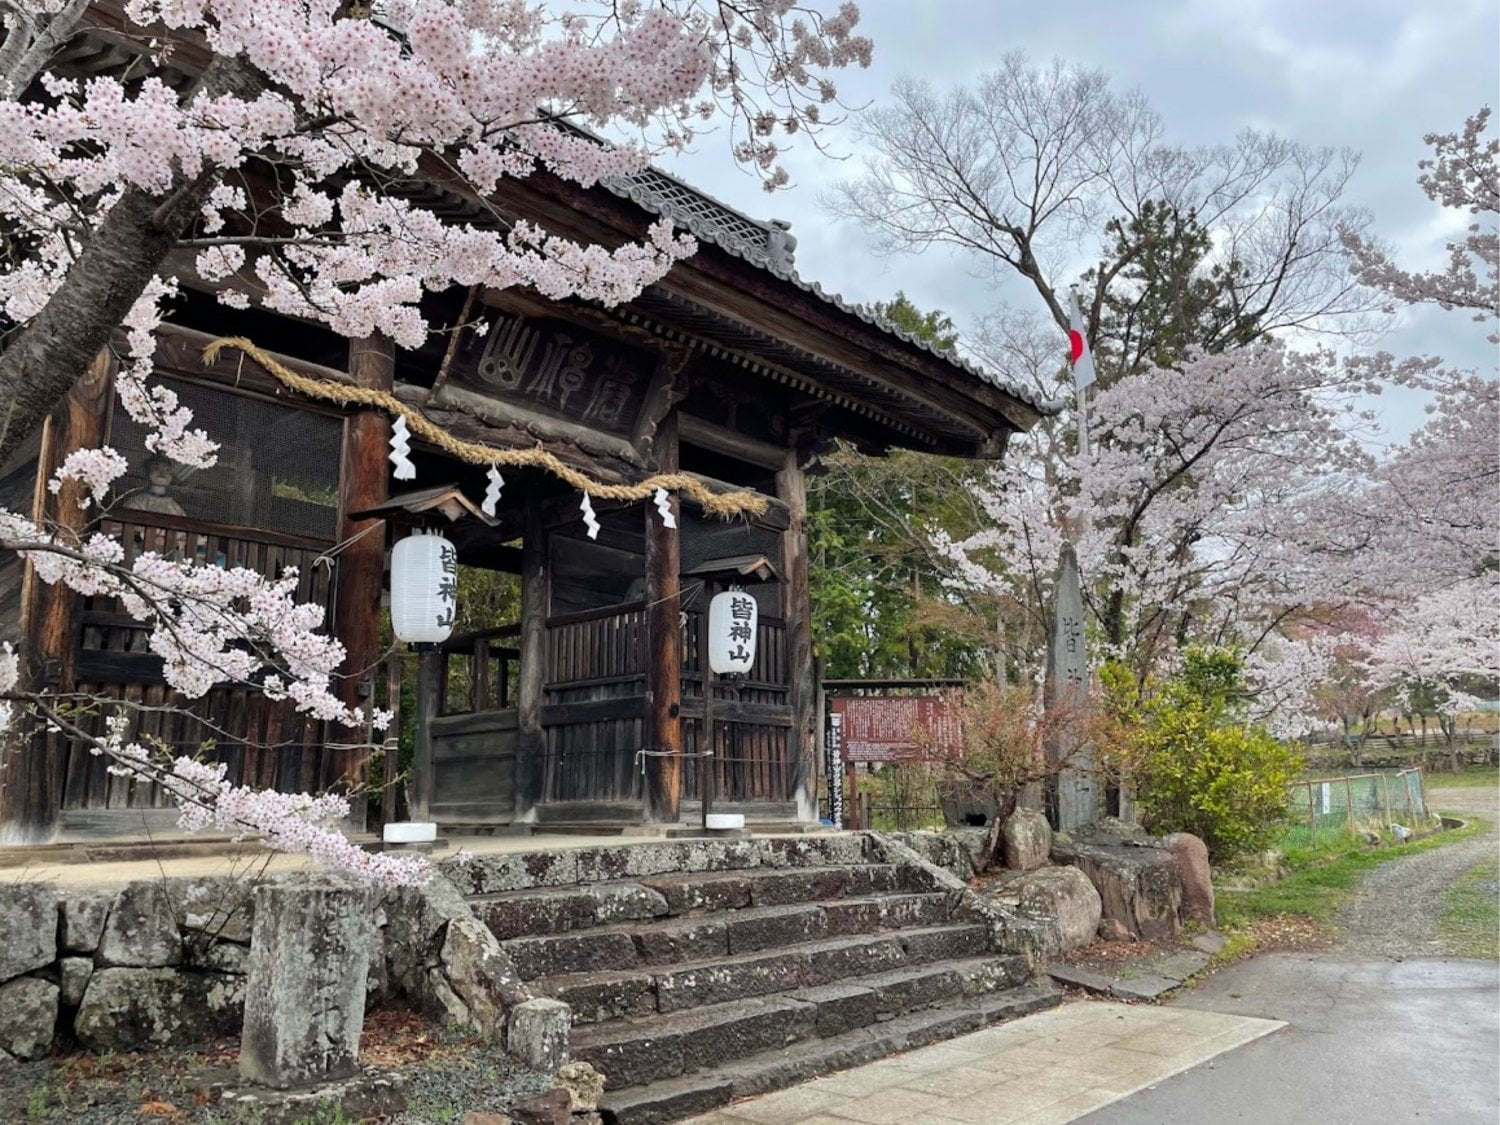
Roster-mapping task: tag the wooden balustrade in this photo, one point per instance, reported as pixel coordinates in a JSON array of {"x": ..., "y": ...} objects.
[{"x": 264, "y": 743}]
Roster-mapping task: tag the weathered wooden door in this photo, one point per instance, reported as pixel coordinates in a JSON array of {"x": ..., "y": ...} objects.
[{"x": 466, "y": 712}]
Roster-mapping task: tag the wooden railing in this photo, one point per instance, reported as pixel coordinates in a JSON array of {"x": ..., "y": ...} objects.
[
  {"x": 594, "y": 704},
  {"x": 263, "y": 742}
]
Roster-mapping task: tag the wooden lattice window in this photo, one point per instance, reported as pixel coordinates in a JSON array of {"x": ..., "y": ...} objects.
[{"x": 278, "y": 466}]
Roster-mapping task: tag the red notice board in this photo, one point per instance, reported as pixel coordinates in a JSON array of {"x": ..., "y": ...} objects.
[{"x": 887, "y": 728}]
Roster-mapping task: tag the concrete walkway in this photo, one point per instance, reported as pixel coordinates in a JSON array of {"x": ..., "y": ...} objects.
[{"x": 1051, "y": 1067}]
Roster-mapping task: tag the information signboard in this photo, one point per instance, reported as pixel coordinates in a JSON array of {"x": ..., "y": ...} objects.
[{"x": 895, "y": 728}]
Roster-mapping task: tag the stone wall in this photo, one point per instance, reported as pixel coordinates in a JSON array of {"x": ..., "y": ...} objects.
[
  {"x": 159, "y": 962},
  {"x": 163, "y": 962}
]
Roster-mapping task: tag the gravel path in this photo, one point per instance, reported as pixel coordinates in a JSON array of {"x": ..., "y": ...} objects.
[{"x": 1398, "y": 906}]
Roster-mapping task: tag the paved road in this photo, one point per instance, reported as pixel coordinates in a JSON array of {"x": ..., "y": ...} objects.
[{"x": 1374, "y": 1040}]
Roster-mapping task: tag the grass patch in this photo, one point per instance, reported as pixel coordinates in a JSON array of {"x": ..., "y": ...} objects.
[
  {"x": 1470, "y": 925},
  {"x": 1473, "y": 777},
  {"x": 1324, "y": 878}
]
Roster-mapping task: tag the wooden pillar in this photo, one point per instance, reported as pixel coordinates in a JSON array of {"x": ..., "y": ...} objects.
[
  {"x": 531, "y": 746},
  {"x": 429, "y": 705},
  {"x": 664, "y": 646},
  {"x": 708, "y": 739},
  {"x": 796, "y": 611},
  {"x": 35, "y": 763},
  {"x": 361, "y": 565},
  {"x": 392, "y": 745}
]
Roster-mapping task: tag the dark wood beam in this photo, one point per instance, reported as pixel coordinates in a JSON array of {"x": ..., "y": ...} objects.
[
  {"x": 721, "y": 439},
  {"x": 494, "y": 410},
  {"x": 796, "y": 612},
  {"x": 35, "y": 760},
  {"x": 664, "y": 645},
  {"x": 531, "y": 748},
  {"x": 361, "y": 564}
]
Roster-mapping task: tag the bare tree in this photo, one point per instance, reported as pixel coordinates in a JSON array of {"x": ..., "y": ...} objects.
[{"x": 1025, "y": 170}]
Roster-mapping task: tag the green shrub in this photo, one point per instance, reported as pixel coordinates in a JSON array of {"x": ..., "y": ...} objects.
[{"x": 1196, "y": 764}]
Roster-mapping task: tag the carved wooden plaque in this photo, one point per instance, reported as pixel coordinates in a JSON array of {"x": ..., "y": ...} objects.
[{"x": 558, "y": 369}]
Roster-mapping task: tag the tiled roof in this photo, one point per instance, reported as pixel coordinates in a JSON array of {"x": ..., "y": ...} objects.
[{"x": 771, "y": 246}]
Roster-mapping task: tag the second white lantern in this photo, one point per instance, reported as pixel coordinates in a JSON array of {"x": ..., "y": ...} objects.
[{"x": 732, "y": 619}]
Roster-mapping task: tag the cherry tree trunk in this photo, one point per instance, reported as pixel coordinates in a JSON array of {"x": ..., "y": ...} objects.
[{"x": 118, "y": 261}]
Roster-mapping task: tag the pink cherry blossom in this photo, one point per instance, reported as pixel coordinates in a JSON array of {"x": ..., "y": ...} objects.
[{"x": 343, "y": 115}]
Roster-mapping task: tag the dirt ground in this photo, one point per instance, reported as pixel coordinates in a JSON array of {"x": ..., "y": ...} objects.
[
  {"x": 1399, "y": 904},
  {"x": 446, "y": 1075}
]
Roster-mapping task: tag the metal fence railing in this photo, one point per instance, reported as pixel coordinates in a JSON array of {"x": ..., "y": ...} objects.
[{"x": 1360, "y": 801}]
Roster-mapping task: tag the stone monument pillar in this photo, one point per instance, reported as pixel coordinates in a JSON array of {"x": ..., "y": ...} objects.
[
  {"x": 305, "y": 995},
  {"x": 1067, "y": 686}
]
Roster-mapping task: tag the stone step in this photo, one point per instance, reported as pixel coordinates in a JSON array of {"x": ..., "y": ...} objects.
[
  {"x": 596, "y": 996},
  {"x": 694, "y": 892},
  {"x": 727, "y": 933},
  {"x": 572, "y": 868},
  {"x": 675, "y": 1098},
  {"x": 551, "y": 910},
  {"x": 633, "y": 1052}
]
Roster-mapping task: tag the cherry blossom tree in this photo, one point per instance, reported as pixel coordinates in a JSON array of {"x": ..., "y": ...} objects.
[
  {"x": 277, "y": 146},
  {"x": 1440, "y": 651},
  {"x": 1431, "y": 515},
  {"x": 281, "y": 165},
  {"x": 1189, "y": 510},
  {"x": 1463, "y": 174}
]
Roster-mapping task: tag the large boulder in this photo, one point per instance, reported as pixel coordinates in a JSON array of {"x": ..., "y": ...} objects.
[
  {"x": 1190, "y": 856},
  {"x": 1138, "y": 887},
  {"x": 28, "y": 928},
  {"x": 417, "y": 922},
  {"x": 1025, "y": 840},
  {"x": 955, "y": 850},
  {"x": 127, "y": 1008},
  {"x": 28, "y": 1017},
  {"x": 1063, "y": 900},
  {"x": 141, "y": 931}
]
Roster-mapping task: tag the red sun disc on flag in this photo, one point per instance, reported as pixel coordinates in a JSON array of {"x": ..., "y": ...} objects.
[{"x": 1075, "y": 345}]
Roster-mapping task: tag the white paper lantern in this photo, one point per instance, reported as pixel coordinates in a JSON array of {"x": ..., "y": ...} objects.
[
  {"x": 424, "y": 589},
  {"x": 732, "y": 617}
]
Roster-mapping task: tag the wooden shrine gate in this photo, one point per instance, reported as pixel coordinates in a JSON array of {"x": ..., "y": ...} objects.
[{"x": 593, "y": 720}]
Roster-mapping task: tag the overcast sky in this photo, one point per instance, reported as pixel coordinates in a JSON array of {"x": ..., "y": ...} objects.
[{"x": 1374, "y": 75}]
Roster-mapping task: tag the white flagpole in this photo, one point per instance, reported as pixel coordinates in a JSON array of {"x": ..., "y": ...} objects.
[
  {"x": 1083, "y": 422},
  {"x": 1082, "y": 392}
]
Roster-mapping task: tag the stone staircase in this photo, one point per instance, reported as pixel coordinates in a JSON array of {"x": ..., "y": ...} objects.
[{"x": 699, "y": 972}]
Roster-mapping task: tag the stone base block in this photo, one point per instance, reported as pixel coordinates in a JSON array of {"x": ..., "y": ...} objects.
[{"x": 363, "y": 1097}]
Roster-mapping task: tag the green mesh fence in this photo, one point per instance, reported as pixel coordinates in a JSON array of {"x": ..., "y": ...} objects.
[{"x": 1362, "y": 801}]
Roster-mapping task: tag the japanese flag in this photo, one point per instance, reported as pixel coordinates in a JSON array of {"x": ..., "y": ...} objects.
[{"x": 1078, "y": 347}]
